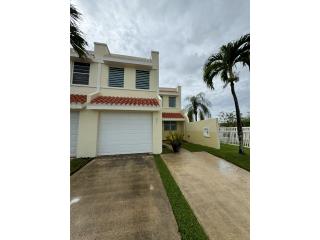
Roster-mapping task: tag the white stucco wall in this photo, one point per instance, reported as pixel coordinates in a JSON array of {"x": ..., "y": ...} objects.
[{"x": 194, "y": 133}]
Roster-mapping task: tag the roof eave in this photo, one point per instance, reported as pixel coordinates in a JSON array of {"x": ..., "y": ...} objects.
[{"x": 117, "y": 107}]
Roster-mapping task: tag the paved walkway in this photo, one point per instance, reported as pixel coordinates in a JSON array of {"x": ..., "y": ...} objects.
[
  {"x": 120, "y": 197},
  {"x": 217, "y": 191}
]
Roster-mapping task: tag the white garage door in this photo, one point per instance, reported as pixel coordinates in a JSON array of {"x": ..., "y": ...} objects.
[
  {"x": 74, "y": 126},
  {"x": 123, "y": 133}
]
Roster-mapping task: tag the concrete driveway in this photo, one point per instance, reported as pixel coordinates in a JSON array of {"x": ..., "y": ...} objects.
[
  {"x": 217, "y": 191},
  {"x": 120, "y": 197}
]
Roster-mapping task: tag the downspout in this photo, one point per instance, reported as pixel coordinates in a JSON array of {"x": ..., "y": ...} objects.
[{"x": 99, "y": 77}]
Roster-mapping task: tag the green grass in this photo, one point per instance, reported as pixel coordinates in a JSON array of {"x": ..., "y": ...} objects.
[
  {"x": 166, "y": 149},
  {"x": 78, "y": 163},
  {"x": 226, "y": 151},
  {"x": 188, "y": 224}
]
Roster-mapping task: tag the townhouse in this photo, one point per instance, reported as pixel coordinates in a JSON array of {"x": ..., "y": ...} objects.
[{"x": 116, "y": 105}]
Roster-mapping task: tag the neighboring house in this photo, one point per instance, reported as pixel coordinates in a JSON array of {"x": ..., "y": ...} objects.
[
  {"x": 172, "y": 117},
  {"x": 115, "y": 104}
]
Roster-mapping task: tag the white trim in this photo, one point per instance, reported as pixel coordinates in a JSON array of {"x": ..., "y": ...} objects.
[
  {"x": 77, "y": 106},
  {"x": 172, "y": 110},
  {"x": 127, "y": 63},
  {"x": 92, "y": 95},
  {"x": 130, "y": 89},
  {"x": 122, "y": 107},
  {"x": 173, "y": 119},
  {"x": 104, "y": 44},
  {"x": 169, "y": 94},
  {"x": 80, "y": 85}
]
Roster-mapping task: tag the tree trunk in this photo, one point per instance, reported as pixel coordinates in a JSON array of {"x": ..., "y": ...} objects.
[
  {"x": 239, "y": 124},
  {"x": 195, "y": 115}
]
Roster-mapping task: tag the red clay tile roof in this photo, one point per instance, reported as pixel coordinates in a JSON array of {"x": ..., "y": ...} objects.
[
  {"x": 125, "y": 101},
  {"x": 172, "y": 115},
  {"x": 76, "y": 98}
]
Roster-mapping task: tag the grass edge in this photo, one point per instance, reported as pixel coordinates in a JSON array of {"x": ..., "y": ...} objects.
[
  {"x": 188, "y": 224},
  {"x": 85, "y": 162}
]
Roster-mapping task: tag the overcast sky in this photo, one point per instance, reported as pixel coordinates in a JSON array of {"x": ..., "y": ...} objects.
[{"x": 185, "y": 32}]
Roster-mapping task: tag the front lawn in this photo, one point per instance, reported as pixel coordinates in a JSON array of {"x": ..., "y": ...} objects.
[
  {"x": 78, "y": 163},
  {"x": 226, "y": 151},
  {"x": 188, "y": 225}
]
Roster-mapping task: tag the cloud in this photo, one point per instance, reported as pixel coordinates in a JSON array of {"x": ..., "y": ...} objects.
[{"x": 185, "y": 32}]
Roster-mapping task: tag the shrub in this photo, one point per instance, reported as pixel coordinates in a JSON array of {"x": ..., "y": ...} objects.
[{"x": 175, "y": 139}]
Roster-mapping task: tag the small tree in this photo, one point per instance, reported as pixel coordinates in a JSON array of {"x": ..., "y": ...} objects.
[
  {"x": 198, "y": 107},
  {"x": 227, "y": 119},
  {"x": 230, "y": 120}
]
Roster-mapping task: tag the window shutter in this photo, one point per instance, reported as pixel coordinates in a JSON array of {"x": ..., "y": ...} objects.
[
  {"x": 81, "y": 73},
  {"x": 116, "y": 77},
  {"x": 142, "y": 79}
]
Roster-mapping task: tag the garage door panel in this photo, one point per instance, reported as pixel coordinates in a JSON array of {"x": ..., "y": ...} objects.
[
  {"x": 121, "y": 149},
  {"x": 74, "y": 128},
  {"x": 121, "y": 133}
]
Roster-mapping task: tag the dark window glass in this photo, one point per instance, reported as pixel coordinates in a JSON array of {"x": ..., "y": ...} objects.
[
  {"x": 173, "y": 126},
  {"x": 81, "y": 73},
  {"x": 172, "y": 101},
  {"x": 170, "y": 126}
]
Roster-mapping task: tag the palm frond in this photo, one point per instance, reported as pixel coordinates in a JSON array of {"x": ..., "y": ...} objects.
[
  {"x": 187, "y": 108},
  {"x": 242, "y": 42},
  {"x": 204, "y": 109},
  {"x": 202, "y": 99},
  {"x": 211, "y": 71},
  {"x": 190, "y": 116},
  {"x": 77, "y": 40},
  {"x": 197, "y": 105},
  {"x": 244, "y": 58}
]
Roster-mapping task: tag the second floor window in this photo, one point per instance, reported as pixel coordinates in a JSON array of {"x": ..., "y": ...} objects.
[
  {"x": 116, "y": 77},
  {"x": 172, "y": 101},
  {"x": 142, "y": 79},
  {"x": 81, "y": 73}
]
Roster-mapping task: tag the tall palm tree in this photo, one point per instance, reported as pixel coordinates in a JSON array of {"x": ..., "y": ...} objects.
[
  {"x": 76, "y": 36},
  {"x": 198, "y": 105},
  {"x": 223, "y": 64}
]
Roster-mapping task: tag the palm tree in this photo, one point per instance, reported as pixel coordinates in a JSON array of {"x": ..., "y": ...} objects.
[
  {"x": 198, "y": 105},
  {"x": 223, "y": 64},
  {"x": 76, "y": 37}
]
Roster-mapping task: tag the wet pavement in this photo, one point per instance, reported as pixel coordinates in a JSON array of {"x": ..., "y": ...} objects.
[
  {"x": 120, "y": 197},
  {"x": 217, "y": 191}
]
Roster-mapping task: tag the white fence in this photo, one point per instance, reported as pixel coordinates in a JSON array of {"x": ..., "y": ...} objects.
[{"x": 229, "y": 135}]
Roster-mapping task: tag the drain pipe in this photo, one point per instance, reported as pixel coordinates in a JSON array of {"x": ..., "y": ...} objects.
[{"x": 99, "y": 76}]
